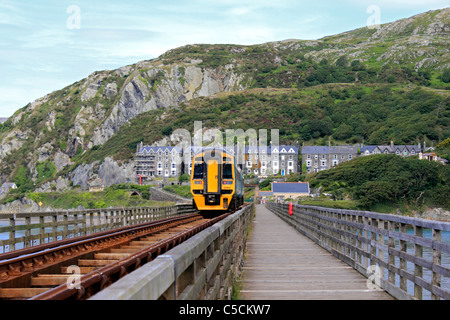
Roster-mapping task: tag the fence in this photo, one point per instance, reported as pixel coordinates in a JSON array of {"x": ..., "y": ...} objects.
[
  {"x": 23, "y": 230},
  {"x": 405, "y": 256}
]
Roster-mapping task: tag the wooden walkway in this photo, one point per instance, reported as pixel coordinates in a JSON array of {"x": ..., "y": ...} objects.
[{"x": 282, "y": 264}]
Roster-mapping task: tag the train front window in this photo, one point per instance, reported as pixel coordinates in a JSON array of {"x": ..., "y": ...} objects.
[
  {"x": 227, "y": 171},
  {"x": 198, "y": 171}
]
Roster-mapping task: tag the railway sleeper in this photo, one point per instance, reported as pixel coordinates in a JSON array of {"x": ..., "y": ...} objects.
[{"x": 21, "y": 293}]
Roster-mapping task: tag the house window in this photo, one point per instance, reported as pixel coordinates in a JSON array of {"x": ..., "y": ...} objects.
[
  {"x": 342, "y": 156},
  {"x": 308, "y": 156},
  {"x": 316, "y": 156},
  {"x": 323, "y": 163},
  {"x": 323, "y": 156},
  {"x": 335, "y": 162},
  {"x": 308, "y": 163},
  {"x": 349, "y": 157},
  {"x": 413, "y": 152},
  {"x": 397, "y": 152},
  {"x": 290, "y": 164},
  {"x": 335, "y": 156}
]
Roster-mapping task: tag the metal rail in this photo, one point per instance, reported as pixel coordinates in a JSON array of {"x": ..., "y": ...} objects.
[
  {"x": 99, "y": 279},
  {"x": 18, "y": 267}
]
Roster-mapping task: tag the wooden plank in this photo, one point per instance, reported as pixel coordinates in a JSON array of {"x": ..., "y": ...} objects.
[
  {"x": 94, "y": 263},
  {"x": 283, "y": 264},
  {"x": 110, "y": 256},
  {"x": 83, "y": 270},
  {"x": 24, "y": 293},
  {"x": 50, "y": 279}
]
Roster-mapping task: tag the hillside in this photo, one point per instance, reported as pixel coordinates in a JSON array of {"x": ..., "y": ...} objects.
[
  {"x": 313, "y": 90},
  {"x": 378, "y": 179}
]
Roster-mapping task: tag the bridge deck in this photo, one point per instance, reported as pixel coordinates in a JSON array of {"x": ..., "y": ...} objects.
[{"x": 282, "y": 264}]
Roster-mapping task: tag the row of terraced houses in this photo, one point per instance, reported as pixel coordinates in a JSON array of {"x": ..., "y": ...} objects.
[{"x": 164, "y": 161}]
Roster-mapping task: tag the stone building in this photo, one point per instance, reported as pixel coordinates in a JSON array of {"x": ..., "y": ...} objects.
[
  {"x": 158, "y": 161},
  {"x": 271, "y": 160},
  {"x": 318, "y": 158},
  {"x": 401, "y": 150}
]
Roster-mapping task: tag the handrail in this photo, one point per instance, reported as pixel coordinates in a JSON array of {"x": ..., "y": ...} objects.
[
  {"x": 403, "y": 255},
  {"x": 24, "y": 230}
]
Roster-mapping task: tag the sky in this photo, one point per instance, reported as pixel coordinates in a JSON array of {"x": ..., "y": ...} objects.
[{"x": 46, "y": 45}]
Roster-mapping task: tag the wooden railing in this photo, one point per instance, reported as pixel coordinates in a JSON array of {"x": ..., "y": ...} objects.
[
  {"x": 23, "y": 230},
  {"x": 204, "y": 267},
  {"x": 407, "y": 257}
]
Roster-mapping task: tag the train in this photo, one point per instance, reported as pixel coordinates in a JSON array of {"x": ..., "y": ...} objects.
[{"x": 217, "y": 182}]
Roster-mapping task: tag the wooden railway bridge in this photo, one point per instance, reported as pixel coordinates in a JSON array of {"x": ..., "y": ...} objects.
[{"x": 291, "y": 252}]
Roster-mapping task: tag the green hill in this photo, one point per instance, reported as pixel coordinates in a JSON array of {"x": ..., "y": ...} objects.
[{"x": 363, "y": 85}]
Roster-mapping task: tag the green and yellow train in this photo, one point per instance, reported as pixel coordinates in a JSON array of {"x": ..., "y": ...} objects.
[{"x": 217, "y": 184}]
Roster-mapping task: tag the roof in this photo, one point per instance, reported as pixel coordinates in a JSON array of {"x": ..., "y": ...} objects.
[
  {"x": 265, "y": 193},
  {"x": 291, "y": 187},
  {"x": 148, "y": 149},
  {"x": 393, "y": 149},
  {"x": 329, "y": 149},
  {"x": 271, "y": 149}
]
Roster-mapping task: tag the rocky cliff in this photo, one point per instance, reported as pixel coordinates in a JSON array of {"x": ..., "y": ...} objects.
[{"x": 46, "y": 140}]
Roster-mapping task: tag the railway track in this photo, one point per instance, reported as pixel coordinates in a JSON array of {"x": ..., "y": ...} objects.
[{"x": 78, "y": 268}]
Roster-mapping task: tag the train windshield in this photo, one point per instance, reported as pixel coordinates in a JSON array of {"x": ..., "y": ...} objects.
[
  {"x": 198, "y": 171},
  {"x": 227, "y": 171}
]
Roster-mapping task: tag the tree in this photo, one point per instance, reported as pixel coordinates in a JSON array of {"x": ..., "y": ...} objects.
[{"x": 445, "y": 77}]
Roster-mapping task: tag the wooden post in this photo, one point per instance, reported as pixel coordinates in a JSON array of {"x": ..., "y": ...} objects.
[
  {"x": 54, "y": 227},
  {"x": 27, "y": 239},
  {"x": 418, "y": 270},
  {"x": 391, "y": 227},
  {"x": 436, "y": 278},
  {"x": 381, "y": 242},
  {"x": 65, "y": 225},
  {"x": 403, "y": 264},
  {"x": 365, "y": 234},
  {"x": 12, "y": 234},
  {"x": 373, "y": 246},
  {"x": 42, "y": 230}
]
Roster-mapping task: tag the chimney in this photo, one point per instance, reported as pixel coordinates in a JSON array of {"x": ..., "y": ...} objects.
[{"x": 392, "y": 144}]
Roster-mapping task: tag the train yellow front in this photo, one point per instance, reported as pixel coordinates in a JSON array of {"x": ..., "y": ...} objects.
[{"x": 217, "y": 183}]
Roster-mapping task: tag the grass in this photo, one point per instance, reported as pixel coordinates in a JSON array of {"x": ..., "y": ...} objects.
[
  {"x": 110, "y": 197},
  {"x": 182, "y": 191}
]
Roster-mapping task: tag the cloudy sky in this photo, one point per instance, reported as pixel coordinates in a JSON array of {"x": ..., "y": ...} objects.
[{"x": 46, "y": 45}]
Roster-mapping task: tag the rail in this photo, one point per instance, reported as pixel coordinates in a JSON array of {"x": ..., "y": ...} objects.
[
  {"x": 203, "y": 267},
  {"x": 24, "y": 230},
  {"x": 405, "y": 256}
]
